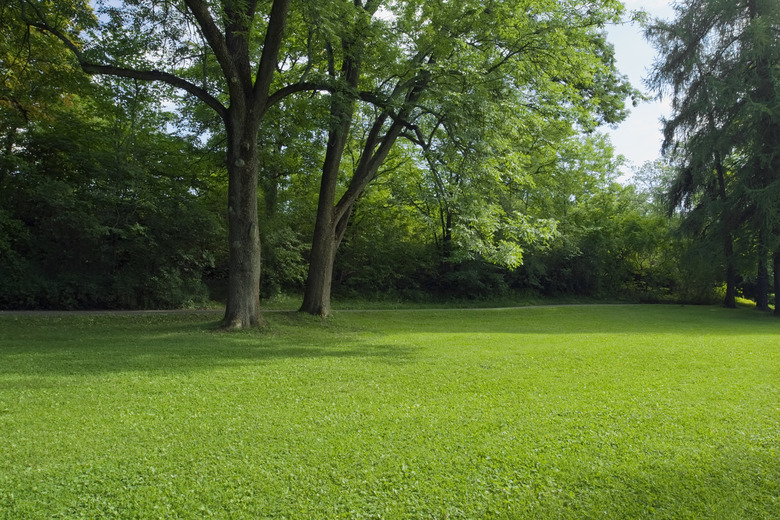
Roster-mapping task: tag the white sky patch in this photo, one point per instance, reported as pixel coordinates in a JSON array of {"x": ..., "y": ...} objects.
[{"x": 639, "y": 137}]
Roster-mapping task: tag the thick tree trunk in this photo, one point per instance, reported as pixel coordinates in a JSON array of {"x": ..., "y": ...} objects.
[
  {"x": 243, "y": 299},
  {"x": 248, "y": 84}
]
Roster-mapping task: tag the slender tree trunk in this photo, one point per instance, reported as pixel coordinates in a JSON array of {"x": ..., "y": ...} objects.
[
  {"x": 327, "y": 230},
  {"x": 8, "y": 146},
  {"x": 762, "y": 289},
  {"x": 762, "y": 282},
  {"x": 243, "y": 299},
  {"x": 316, "y": 296},
  {"x": 332, "y": 219},
  {"x": 446, "y": 244},
  {"x": 776, "y": 269},
  {"x": 763, "y": 96},
  {"x": 329, "y": 227},
  {"x": 730, "y": 301}
]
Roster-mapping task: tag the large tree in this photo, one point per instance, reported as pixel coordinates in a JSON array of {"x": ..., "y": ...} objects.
[
  {"x": 170, "y": 42},
  {"x": 415, "y": 70},
  {"x": 720, "y": 60}
]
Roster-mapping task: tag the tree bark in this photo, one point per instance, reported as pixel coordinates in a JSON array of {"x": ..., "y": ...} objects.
[
  {"x": 243, "y": 300},
  {"x": 332, "y": 220},
  {"x": 327, "y": 237},
  {"x": 446, "y": 243},
  {"x": 776, "y": 268},
  {"x": 730, "y": 301},
  {"x": 762, "y": 282},
  {"x": 762, "y": 285},
  {"x": 763, "y": 96},
  {"x": 328, "y": 229},
  {"x": 249, "y": 98}
]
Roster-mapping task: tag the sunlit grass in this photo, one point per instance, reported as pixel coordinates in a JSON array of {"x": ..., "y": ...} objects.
[{"x": 561, "y": 412}]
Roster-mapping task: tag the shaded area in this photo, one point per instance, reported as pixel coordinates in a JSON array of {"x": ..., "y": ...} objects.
[
  {"x": 169, "y": 342},
  {"x": 179, "y": 342}
]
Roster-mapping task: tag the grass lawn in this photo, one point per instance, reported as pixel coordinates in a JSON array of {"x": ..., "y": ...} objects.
[{"x": 557, "y": 412}]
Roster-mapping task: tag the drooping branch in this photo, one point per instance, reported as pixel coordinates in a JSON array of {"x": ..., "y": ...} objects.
[
  {"x": 160, "y": 76},
  {"x": 112, "y": 70}
]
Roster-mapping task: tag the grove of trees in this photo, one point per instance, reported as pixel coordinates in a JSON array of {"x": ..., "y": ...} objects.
[
  {"x": 397, "y": 149},
  {"x": 721, "y": 63}
]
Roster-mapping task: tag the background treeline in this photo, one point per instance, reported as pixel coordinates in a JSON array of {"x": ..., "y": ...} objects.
[
  {"x": 101, "y": 208},
  {"x": 112, "y": 191}
]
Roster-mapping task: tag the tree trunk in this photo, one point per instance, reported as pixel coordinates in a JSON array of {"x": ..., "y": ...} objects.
[
  {"x": 327, "y": 238},
  {"x": 730, "y": 301},
  {"x": 243, "y": 299},
  {"x": 329, "y": 227},
  {"x": 332, "y": 220},
  {"x": 229, "y": 41},
  {"x": 316, "y": 297},
  {"x": 776, "y": 268},
  {"x": 762, "y": 285},
  {"x": 328, "y": 232},
  {"x": 762, "y": 282},
  {"x": 446, "y": 244}
]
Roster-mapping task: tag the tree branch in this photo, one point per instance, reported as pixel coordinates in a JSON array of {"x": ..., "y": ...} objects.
[
  {"x": 156, "y": 75},
  {"x": 273, "y": 42},
  {"x": 213, "y": 35},
  {"x": 146, "y": 75},
  {"x": 372, "y": 98},
  {"x": 306, "y": 86}
]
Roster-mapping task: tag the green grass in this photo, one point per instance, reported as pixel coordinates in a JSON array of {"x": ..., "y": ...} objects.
[{"x": 558, "y": 412}]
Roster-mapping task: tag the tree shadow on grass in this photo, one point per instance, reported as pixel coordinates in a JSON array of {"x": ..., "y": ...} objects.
[
  {"x": 105, "y": 344},
  {"x": 94, "y": 345}
]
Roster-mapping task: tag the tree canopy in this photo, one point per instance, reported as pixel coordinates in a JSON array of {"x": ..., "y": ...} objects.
[
  {"x": 720, "y": 61},
  {"x": 406, "y": 149}
]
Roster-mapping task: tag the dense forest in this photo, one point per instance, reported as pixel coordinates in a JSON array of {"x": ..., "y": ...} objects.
[{"x": 402, "y": 150}]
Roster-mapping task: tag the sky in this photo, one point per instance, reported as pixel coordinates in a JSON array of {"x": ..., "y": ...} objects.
[{"x": 639, "y": 137}]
